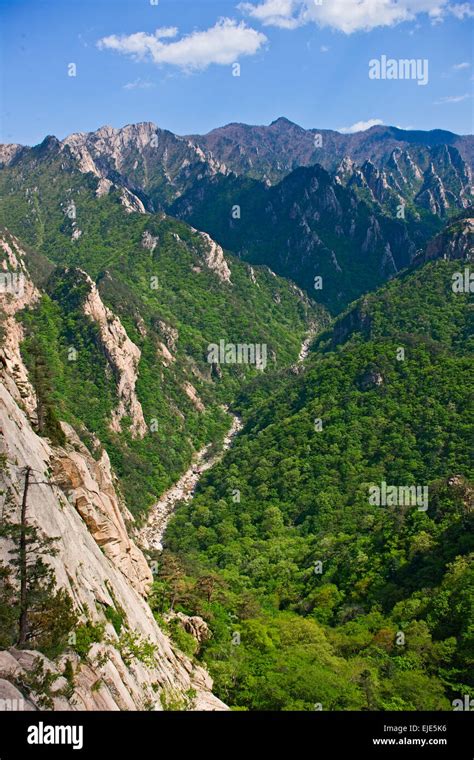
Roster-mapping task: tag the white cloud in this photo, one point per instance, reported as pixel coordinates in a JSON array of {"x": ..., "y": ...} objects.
[
  {"x": 461, "y": 10},
  {"x": 452, "y": 99},
  {"x": 360, "y": 126},
  {"x": 138, "y": 84},
  {"x": 350, "y": 16},
  {"x": 222, "y": 44},
  {"x": 324, "y": 49},
  {"x": 460, "y": 66},
  {"x": 279, "y": 13},
  {"x": 164, "y": 32}
]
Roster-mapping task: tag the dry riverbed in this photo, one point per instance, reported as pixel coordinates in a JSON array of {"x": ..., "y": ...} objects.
[{"x": 151, "y": 535}]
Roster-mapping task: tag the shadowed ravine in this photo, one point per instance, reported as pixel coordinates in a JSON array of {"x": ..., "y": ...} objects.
[{"x": 151, "y": 535}]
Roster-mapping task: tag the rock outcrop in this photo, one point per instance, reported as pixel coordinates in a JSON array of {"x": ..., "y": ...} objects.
[
  {"x": 148, "y": 241},
  {"x": 131, "y": 202},
  {"x": 123, "y": 356},
  {"x": 215, "y": 259},
  {"x": 16, "y": 293},
  {"x": 454, "y": 242},
  {"x": 8, "y": 153},
  {"x": 192, "y": 395},
  {"x": 99, "y": 568},
  {"x": 192, "y": 624},
  {"x": 73, "y": 499},
  {"x": 89, "y": 486}
]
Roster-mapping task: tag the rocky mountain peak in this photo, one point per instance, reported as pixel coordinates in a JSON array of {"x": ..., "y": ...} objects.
[{"x": 283, "y": 123}]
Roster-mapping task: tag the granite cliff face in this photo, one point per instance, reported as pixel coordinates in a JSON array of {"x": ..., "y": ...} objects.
[
  {"x": 123, "y": 356},
  {"x": 215, "y": 259},
  {"x": 16, "y": 292},
  {"x": 151, "y": 162},
  {"x": 154, "y": 167},
  {"x": 434, "y": 179},
  {"x": 99, "y": 566},
  {"x": 271, "y": 152},
  {"x": 73, "y": 499},
  {"x": 90, "y": 488},
  {"x": 454, "y": 242}
]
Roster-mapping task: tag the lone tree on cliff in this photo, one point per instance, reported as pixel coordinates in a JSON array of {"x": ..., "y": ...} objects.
[{"x": 44, "y": 614}]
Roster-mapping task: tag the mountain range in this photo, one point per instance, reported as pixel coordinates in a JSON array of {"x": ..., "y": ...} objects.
[
  {"x": 353, "y": 218},
  {"x": 125, "y": 255}
]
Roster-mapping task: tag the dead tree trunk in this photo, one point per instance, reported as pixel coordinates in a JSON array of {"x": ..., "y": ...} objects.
[{"x": 23, "y": 619}]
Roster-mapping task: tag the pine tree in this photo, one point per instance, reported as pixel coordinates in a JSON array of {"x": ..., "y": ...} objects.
[
  {"x": 44, "y": 614},
  {"x": 41, "y": 376}
]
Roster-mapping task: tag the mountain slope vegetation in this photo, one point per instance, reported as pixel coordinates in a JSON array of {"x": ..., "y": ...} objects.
[
  {"x": 173, "y": 291},
  {"x": 306, "y": 227},
  {"x": 319, "y": 590},
  {"x": 380, "y": 196},
  {"x": 331, "y": 599}
]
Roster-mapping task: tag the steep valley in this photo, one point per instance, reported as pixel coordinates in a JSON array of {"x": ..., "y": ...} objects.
[
  {"x": 199, "y": 533},
  {"x": 336, "y": 601}
]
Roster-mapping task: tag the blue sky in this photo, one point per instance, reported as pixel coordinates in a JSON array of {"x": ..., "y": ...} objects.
[{"x": 298, "y": 59}]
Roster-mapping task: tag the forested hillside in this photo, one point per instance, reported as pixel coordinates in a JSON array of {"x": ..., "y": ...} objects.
[
  {"x": 315, "y": 595},
  {"x": 313, "y": 588},
  {"x": 332, "y": 239},
  {"x": 173, "y": 291}
]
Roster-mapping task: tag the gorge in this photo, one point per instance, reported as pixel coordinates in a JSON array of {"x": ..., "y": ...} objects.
[{"x": 180, "y": 501}]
